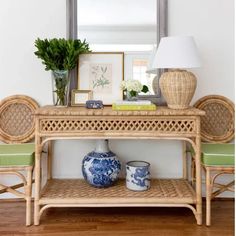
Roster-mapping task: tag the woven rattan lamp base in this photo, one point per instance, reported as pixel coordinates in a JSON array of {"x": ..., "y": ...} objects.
[{"x": 178, "y": 87}]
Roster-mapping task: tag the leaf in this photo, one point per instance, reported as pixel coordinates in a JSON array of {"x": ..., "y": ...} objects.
[
  {"x": 133, "y": 93},
  {"x": 145, "y": 89}
]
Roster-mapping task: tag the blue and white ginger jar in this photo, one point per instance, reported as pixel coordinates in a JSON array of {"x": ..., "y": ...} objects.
[{"x": 101, "y": 167}]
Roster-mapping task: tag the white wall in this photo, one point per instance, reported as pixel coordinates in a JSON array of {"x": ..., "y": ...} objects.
[{"x": 21, "y": 22}]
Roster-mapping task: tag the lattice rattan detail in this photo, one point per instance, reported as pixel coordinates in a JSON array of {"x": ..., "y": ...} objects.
[
  {"x": 117, "y": 124},
  {"x": 17, "y": 119},
  {"x": 77, "y": 190},
  {"x": 218, "y": 123}
]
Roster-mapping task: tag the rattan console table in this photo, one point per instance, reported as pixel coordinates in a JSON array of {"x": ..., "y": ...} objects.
[{"x": 53, "y": 123}]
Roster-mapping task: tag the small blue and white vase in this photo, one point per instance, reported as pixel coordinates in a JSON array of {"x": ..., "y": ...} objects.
[
  {"x": 101, "y": 167},
  {"x": 138, "y": 175}
]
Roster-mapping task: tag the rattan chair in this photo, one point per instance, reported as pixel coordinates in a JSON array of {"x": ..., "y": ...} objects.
[
  {"x": 217, "y": 128},
  {"x": 17, "y": 125}
]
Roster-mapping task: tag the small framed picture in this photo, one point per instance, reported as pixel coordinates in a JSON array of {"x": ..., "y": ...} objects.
[
  {"x": 102, "y": 72},
  {"x": 79, "y": 97}
]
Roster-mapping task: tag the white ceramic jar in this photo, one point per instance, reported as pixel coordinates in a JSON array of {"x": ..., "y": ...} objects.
[{"x": 138, "y": 175}]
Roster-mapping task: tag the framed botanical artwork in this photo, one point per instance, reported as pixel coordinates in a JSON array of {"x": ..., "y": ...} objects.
[
  {"x": 102, "y": 72},
  {"x": 79, "y": 97}
]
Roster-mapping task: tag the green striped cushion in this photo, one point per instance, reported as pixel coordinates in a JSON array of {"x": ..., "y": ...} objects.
[
  {"x": 17, "y": 154},
  {"x": 218, "y": 154}
]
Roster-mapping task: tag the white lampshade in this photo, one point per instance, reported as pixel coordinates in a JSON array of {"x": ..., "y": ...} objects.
[{"x": 176, "y": 52}]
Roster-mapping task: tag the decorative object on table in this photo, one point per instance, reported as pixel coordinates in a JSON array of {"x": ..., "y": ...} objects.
[
  {"x": 101, "y": 167},
  {"x": 139, "y": 105},
  {"x": 60, "y": 56},
  {"x": 177, "y": 85},
  {"x": 138, "y": 175},
  {"x": 132, "y": 88},
  {"x": 94, "y": 104},
  {"x": 102, "y": 72},
  {"x": 60, "y": 87},
  {"x": 80, "y": 97}
]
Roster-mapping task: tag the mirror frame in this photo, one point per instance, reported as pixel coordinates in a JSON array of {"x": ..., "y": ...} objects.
[{"x": 162, "y": 31}]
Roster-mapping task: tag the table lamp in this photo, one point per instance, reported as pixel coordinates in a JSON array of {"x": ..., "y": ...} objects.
[{"x": 177, "y": 85}]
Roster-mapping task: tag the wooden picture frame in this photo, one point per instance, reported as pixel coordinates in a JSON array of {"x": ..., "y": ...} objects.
[
  {"x": 102, "y": 72},
  {"x": 79, "y": 97}
]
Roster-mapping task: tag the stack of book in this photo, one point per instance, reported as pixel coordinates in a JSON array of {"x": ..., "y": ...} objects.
[{"x": 140, "y": 105}]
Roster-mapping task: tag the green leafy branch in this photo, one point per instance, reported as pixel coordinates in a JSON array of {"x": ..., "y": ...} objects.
[{"x": 60, "y": 54}]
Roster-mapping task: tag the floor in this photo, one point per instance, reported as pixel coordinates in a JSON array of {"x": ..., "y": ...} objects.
[{"x": 117, "y": 221}]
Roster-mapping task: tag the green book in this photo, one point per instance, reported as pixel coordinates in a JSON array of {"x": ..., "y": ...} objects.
[{"x": 150, "y": 107}]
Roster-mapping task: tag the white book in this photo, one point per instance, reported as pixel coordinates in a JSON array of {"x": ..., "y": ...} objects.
[{"x": 138, "y": 102}]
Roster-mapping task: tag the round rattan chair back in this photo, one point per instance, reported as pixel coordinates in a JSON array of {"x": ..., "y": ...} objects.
[
  {"x": 17, "y": 122},
  {"x": 218, "y": 123}
]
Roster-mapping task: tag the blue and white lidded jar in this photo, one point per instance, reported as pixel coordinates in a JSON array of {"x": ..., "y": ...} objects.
[
  {"x": 138, "y": 175},
  {"x": 101, "y": 167}
]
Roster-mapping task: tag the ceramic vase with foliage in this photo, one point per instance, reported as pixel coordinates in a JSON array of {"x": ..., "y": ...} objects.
[
  {"x": 60, "y": 56},
  {"x": 101, "y": 167}
]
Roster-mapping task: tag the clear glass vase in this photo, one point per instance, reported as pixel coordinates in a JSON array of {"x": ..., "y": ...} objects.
[
  {"x": 131, "y": 96},
  {"x": 60, "y": 86}
]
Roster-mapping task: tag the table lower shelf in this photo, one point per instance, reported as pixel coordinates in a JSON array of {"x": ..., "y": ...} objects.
[{"x": 77, "y": 191}]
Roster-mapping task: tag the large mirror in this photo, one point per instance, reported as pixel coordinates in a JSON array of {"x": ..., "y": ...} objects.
[{"x": 130, "y": 26}]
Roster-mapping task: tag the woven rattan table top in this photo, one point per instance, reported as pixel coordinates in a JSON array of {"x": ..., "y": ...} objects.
[{"x": 107, "y": 111}]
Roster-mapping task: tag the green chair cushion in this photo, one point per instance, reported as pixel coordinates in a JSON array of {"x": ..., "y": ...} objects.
[
  {"x": 17, "y": 154},
  {"x": 218, "y": 154}
]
